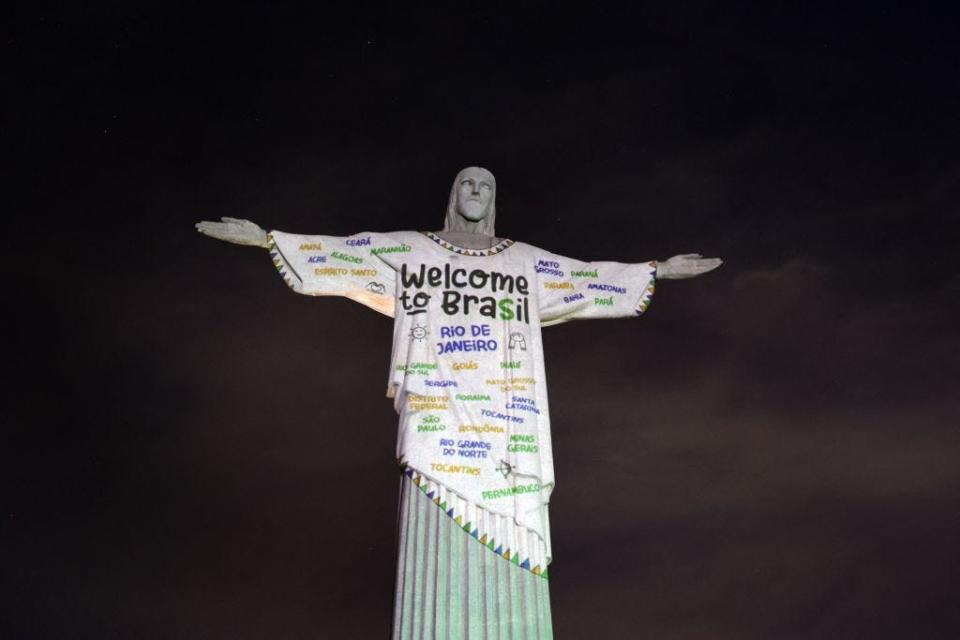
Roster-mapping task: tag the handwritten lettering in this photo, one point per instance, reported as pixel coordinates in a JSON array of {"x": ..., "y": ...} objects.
[
  {"x": 416, "y": 402},
  {"x": 346, "y": 257},
  {"x": 453, "y": 346},
  {"x": 606, "y": 287},
  {"x": 430, "y": 423},
  {"x": 520, "y": 443},
  {"x": 473, "y": 448},
  {"x": 455, "y": 303},
  {"x": 418, "y": 368},
  {"x": 496, "y": 381},
  {"x": 400, "y": 249},
  {"x": 481, "y": 428},
  {"x": 487, "y": 413},
  {"x": 510, "y": 491},
  {"x": 507, "y": 385},
  {"x": 505, "y": 308},
  {"x": 472, "y": 397},
  {"x": 454, "y": 468},
  {"x": 459, "y": 278},
  {"x": 523, "y": 404},
  {"x": 550, "y": 267}
]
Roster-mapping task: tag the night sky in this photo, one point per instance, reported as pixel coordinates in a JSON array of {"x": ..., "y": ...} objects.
[{"x": 772, "y": 452}]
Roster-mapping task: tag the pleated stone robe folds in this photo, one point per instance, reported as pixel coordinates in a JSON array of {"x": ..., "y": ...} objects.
[{"x": 468, "y": 382}]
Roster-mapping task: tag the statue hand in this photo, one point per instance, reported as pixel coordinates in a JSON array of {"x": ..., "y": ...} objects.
[
  {"x": 686, "y": 265},
  {"x": 236, "y": 231}
]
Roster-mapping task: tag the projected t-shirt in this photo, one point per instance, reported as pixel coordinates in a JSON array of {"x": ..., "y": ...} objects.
[{"x": 467, "y": 371}]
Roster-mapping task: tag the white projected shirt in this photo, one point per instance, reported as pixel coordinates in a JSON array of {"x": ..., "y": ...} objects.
[{"x": 467, "y": 372}]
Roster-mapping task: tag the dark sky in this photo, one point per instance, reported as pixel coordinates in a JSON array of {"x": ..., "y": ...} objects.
[{"x": 772, "y": 452}]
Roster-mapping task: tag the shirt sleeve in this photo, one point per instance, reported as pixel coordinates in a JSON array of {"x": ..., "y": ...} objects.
[
  {"x": 338, "y": 266},
  {"x": 569, "y": 289}
]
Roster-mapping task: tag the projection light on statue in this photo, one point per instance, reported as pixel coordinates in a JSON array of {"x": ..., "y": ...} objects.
[{"x": 467, "y": 379}]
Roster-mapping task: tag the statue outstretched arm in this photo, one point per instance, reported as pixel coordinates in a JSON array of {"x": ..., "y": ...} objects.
[
  {"x": 349, "y": 266},
  {"x": 570, "y": 289},
  {"x": 686, "y": 265},
  {"x": 321, "y": 265},
  {"x": 236, "y": 231}
]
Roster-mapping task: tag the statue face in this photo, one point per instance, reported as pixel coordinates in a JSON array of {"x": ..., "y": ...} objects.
[{"x": 474, "y": 193}]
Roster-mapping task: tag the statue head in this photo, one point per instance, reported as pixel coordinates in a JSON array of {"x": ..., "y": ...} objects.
[{"x": 472, "y": 206}]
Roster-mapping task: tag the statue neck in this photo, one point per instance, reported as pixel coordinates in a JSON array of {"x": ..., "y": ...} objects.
[
  {"x": 468, "y": 234},
  {"x": 468, "y": 239}
]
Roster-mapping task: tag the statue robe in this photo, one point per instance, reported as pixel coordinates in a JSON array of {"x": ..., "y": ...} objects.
[{"x": 467, "y": 373}]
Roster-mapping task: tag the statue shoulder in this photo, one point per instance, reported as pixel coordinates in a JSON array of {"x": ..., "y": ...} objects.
[
  {"x": 405, "y": 237},
  {"x": 523, "y": 247}
]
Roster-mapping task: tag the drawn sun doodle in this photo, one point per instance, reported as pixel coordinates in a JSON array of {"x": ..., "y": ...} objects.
[
  {"x": 505, "y": 468},
  {"x": 517, "y": 341},
  {"x": 418, "y": 332}
]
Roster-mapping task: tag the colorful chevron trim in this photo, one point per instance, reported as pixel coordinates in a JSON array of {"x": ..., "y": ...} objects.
[
  {"x": 479, "y": 253},
  {"x": 648, "y": 292},
  {"x": 279, "y": 262},
  {"x": 485, "y": 539}
]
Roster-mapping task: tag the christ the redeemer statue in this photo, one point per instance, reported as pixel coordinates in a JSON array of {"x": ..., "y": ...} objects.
[{"x": 467, "y": 379}]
